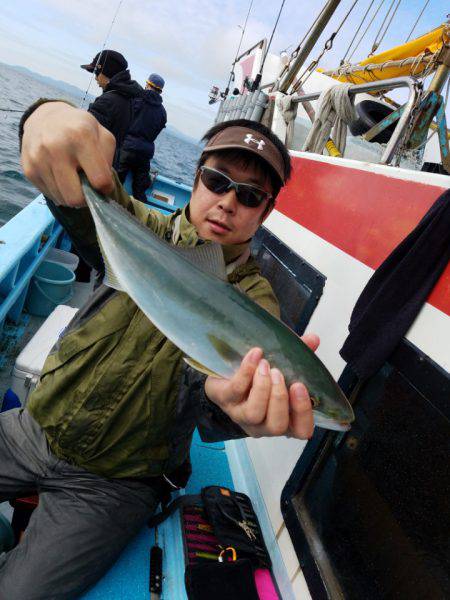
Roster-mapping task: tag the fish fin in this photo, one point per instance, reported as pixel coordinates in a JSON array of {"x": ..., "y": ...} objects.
[
  {"x": 110, "y": 278},
  {"x": 224, "y": 349},
  {"x": 199, "y": 367},
  {"x": 207, "y": 256}
]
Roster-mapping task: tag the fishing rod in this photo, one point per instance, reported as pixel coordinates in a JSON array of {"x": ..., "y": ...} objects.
[
  {"x": 258, "y": 77},
  {"x": 100, "y": 53},
  {"x": 227, "y": 89}
]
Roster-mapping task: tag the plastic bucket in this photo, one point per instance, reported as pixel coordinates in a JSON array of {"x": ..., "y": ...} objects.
[
  {"x": 62, "y": 257},
  {"x": 51, "y": 285}
]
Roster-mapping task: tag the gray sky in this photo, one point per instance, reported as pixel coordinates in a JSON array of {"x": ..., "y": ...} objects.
[{"x": 191, "y": 43}]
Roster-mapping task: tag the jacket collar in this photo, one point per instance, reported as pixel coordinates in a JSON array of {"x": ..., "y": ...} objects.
[{"x": 184, "y": 231}]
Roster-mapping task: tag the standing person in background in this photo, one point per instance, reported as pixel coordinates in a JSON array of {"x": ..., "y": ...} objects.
[
  {"x": 113, "y": 108},
  {"x": 149, "y": 119}
]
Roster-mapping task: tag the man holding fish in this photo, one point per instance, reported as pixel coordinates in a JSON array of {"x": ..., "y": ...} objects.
[{"x": 110, "y": 424}]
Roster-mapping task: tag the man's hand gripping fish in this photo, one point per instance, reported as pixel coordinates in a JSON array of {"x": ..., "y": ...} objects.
[{"x": 185, "y": 293}]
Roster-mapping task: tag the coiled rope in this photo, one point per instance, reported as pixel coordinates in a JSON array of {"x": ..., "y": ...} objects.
[{"x": 335, "y": 112}]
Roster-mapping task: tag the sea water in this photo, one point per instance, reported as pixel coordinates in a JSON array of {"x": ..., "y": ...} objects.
[{"x": 175, "y": 156}]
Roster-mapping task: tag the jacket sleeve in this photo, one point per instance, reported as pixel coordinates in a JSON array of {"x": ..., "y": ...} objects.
[
  {"x": 213, "y": 424},
  {"x": 80, "y": 227}
]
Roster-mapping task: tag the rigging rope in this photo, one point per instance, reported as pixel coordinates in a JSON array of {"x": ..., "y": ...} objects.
[
  {"x": 377, "y": 43},
  {"x": 351, "y": 71},
  {"x": 294, "y": 54},
  {"x": 357, "y": 31},
  {"x": 366, "y": 30},
  {"x": 327, "y": 46},
  {"x": 103, "y": 47},
  {"x": 417, "y": 20}
]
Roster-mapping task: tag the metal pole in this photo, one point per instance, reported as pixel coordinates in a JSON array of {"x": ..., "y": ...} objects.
[
  {"x": 442, "y": 72},
  {"x": 316, "y": 31}
]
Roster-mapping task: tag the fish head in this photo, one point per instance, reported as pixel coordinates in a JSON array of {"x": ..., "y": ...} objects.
[
  {"x": 320, "y": 420},
  {"x": 335, "y": 413}
]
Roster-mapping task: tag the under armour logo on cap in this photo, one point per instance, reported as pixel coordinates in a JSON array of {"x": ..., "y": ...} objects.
[
  {"x": 250, "y": 141},
  {"x": 249, "y": 138}
]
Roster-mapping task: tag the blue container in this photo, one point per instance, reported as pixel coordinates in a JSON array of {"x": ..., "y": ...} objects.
[{"x": 51, "y": 285}]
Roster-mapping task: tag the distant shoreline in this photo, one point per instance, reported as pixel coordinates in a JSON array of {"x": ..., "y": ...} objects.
[{"x": 76, "y": 92}]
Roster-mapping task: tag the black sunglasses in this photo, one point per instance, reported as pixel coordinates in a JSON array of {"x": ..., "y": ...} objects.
[{"x": 219, "y": 183}]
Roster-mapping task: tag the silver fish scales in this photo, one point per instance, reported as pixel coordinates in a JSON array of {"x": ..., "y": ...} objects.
[{"x": 210, "y": 320}]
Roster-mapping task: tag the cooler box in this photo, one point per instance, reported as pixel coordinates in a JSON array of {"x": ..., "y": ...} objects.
[{"x": 30, "y": 361}]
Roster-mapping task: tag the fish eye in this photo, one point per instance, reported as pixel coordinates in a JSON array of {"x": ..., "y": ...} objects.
[{"x": 315, "y": 401}]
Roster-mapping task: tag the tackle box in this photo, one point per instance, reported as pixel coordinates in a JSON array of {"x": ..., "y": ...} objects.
[{"x": 30, "y": 361}]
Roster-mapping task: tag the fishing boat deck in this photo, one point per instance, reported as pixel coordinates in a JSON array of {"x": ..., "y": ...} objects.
[
  {"x": 129, "y": 577},
  {"x": 227, "y": 464}
]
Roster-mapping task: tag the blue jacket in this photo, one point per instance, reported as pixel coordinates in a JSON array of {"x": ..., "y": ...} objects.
[{"x": 149, "y": 118}]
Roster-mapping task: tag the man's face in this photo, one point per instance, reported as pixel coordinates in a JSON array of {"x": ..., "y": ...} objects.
[
  {"x": 102, "y": 80},
  {"x": 221, "y": 217}
]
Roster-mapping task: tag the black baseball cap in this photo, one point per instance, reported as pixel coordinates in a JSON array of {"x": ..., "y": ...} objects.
[{"x": 108, "y": 62}]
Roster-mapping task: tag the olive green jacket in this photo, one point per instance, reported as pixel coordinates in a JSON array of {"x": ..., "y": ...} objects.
[{"x": 115, "y": 396}]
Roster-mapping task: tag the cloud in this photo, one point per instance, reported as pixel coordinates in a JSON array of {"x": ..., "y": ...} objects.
[{"x": 192, "y": 43}]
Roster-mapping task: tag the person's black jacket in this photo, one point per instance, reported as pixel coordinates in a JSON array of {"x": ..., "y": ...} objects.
[
  {"x": 148, "y": 120},
  {"x": 113, "y": 109}
]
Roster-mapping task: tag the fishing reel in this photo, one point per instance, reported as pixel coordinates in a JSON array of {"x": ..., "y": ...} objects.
[{"x": 214, "y": 94}]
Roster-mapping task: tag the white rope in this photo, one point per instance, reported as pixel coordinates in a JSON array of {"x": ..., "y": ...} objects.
[
  {"x": 287, "y": 107},
  {"x": 335, "y": 112},
  {"x": 428, "y": 60}
]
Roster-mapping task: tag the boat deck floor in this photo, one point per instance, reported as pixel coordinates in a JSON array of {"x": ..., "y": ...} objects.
[{"x": 128, "y": 579}]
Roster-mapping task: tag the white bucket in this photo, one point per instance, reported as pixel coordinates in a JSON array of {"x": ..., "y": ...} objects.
[{"x": 64, "y": 258}]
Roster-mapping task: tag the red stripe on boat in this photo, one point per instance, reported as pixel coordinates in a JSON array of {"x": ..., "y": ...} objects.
[{"x": 362, "y": 213}]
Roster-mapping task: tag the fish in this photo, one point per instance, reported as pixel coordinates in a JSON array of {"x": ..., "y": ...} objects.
[{"x": 184, "y": 292}]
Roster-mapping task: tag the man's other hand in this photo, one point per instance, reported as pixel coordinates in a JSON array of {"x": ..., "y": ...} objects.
[
  {"x": 258, "y": 400},
  {"x": 58, "y": 142}
]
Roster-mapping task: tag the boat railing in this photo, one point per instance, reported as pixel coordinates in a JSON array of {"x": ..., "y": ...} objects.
[
  {"x": 414, "y": 88},
  {"x": 24, "y": 242}
]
